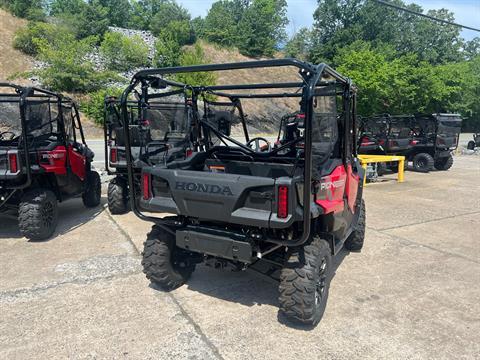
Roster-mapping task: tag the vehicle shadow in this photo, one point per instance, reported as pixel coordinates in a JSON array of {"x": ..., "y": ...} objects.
[
  {"x": 71, "y": 215},
  {"x": 248, "y": 288}
]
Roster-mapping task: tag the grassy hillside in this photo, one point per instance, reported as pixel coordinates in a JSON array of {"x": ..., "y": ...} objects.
[{"x": 11, "y": 60}]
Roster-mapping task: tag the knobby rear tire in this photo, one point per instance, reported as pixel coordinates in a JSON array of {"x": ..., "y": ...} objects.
[
  {"x": 356, "y": 239},
  {"x": 423, "y": 162},
  {"x": 444, "y": 163},
  {"x": 38, "y": 214},
  {"x": 118, "y": 196},
  {"x": 304, "y": 283},
  {"x": 93, "y": 190},
  {"x": 163, "y": 263}
]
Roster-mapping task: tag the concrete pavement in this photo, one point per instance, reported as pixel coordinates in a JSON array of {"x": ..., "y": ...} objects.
[{"x": 412, "y": 293}]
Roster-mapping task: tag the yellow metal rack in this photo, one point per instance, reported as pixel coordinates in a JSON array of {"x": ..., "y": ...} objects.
[{"x": 368, "y": 159}]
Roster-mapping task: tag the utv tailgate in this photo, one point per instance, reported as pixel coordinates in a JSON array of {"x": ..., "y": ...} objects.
[{"x": 228, "y": 198}]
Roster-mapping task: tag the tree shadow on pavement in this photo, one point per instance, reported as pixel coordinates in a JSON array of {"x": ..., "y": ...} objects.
[{"x": 71, "y": 215}]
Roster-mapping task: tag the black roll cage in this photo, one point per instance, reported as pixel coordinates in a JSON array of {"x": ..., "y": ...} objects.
[{"x": 311, "y": 78}]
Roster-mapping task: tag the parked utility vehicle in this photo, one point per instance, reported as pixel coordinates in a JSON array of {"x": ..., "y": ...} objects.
[
  {"x": 162, "y": 134},
  {"x": 43, "y": 158},
  {"x": 291, "y": 205},
  {"x": 435, "y": 137},
  {"x": 386, "y": 135},
  {"x": 472, "y": 144}
]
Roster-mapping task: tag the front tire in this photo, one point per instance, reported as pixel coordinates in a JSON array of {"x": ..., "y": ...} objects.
[
  {"x": 356, "y": 239},
  {"x": 471, "y": 145},
  {"x": 165, "y": 264},
  {"x": 444, "y": 163},
  {"x": 38, "y": 214},
  {"x": 93, "y": 190},
  {"x": 118, "y": 196},
  {"x": 305, "y": 281},
  {"x": 423, "y": 162}
]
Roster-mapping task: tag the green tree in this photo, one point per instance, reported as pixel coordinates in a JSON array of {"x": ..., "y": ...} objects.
[
  {"x": 93, "y": 20},
  {"x": 404, "y": 84},
  {"x": 220, "y": 26},
  {"x": 471, "y": 48},
  {"x": 168, "y": 12},
  {"x": 198, "y": 26},
  {"x": 83, "y": 18},
  {"x": 167, "y": 51},
  {"x": 340, "y": 23},
  {"x": 29, "y": 9},
  {"x": 299, "y": 45},
  {"x": 153, "y": 14},
  {"x": 61, "y": 7},
  {"x": 123, "y": 53},
  {"x": 262, "y": 27},
  {"x": 118, "y": 11},
  {"x": 256, "y": 27}
]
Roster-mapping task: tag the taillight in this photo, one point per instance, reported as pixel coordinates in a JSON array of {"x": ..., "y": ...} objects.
[
  {"x": 366, "y": 142},
  {"x": 146, "y": 186},
  {"x": 282, "y": 210},
  {"x": 413, "y": 142},
  {"x": 381, "y": 142},
  {"x": 188, "y": 153},
  {"x": 13, "y": 162},
  {"x": 113, "y": 155}
]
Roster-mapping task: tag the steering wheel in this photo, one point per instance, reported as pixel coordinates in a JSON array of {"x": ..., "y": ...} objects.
[
  {"x": 7, "y": 132},
  {"x": 257, "y": 147}
]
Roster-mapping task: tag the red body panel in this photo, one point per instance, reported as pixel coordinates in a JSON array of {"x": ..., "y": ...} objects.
[
  {"x": 353, "y": 181},
  {"x": 54, "y": 161},
  {"x": 331, "y": 191},
  {"x": 77, "y": 162},
  {"x": 334, "y": 188}
]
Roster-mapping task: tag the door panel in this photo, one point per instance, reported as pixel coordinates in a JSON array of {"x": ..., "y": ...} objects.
[{"x": 77, "y": 161}]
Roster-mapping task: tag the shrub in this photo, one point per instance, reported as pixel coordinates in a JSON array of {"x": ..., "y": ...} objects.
[
  {"x": 67, "y": 68},
  {"x": 26, "y": 39},
  {"x": 93, "y": 105},
  {"x": 123, "y": 53},
  {"x": 195, "y": 56}
]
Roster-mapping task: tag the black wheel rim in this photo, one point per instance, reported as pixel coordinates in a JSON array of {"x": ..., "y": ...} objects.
[
  {"x": 48, "y": 214},
  {"x": 421, "y": 164},
  {"x": 321, "y": 285}
]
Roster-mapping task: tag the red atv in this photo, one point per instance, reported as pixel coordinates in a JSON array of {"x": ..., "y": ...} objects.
[{"x": 43, "y": 158}]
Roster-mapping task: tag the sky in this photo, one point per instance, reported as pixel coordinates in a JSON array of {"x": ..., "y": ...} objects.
[{"x": 300, "y": 12}]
